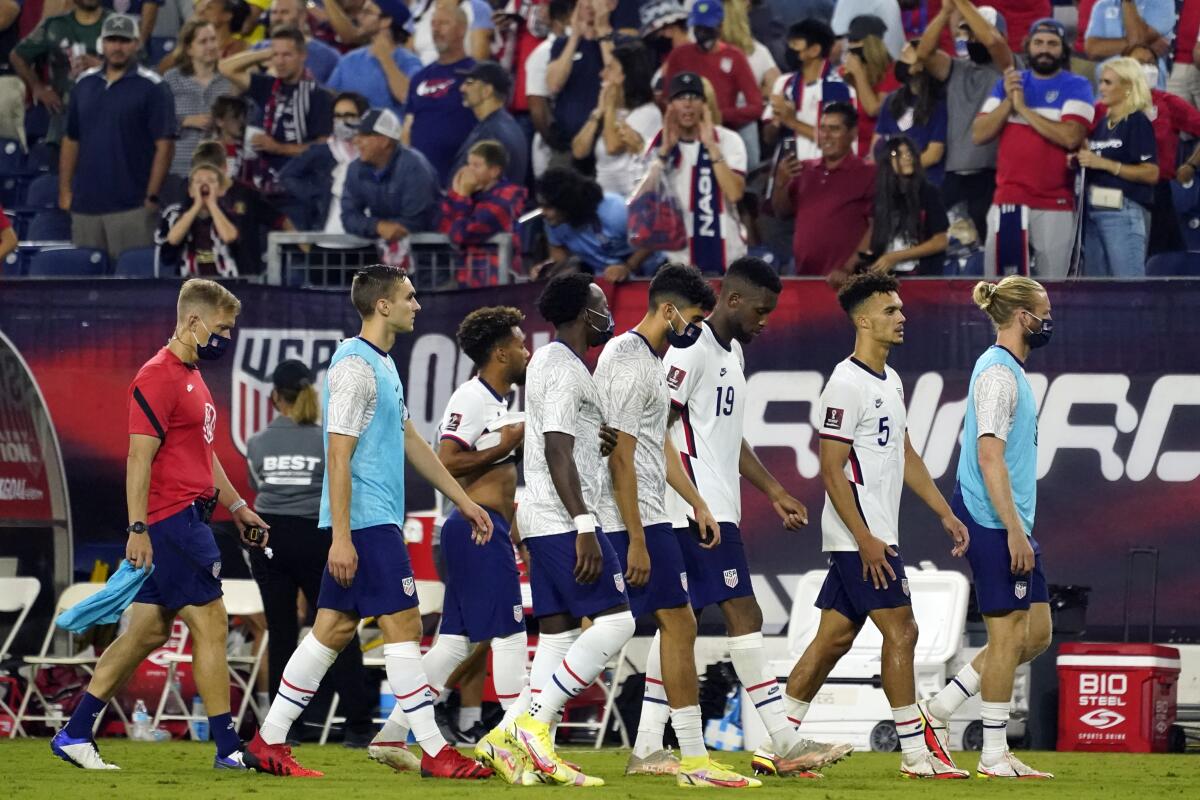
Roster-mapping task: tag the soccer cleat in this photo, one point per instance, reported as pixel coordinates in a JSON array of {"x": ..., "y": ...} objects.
[
  {"x": 503, "y": 754},
  {"x": 395, "y": 755},
  {"x": 763, "y": 762},
  {"x": 937, "y": 735},
  {"x": 449, "y": 763},
  {"x": 929, "y": 765},
  {"x": 807, "y": 755},
  {"x": 1009, "y": 766},
  {"x": 82, "y": 753},
  {"x": 237, "y": 760},
  {"x": 660, "y": 762},
  {"x": 703, "y": 772},
  {"x": 275, "y": 759},
  {"x": 534, "y": 738}
]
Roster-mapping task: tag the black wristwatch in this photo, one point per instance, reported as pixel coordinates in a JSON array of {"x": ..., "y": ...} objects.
[{"x": 137, "y": 527}]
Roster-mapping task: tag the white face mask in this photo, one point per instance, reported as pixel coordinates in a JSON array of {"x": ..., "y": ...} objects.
[{"x": 1151, "y": 72}]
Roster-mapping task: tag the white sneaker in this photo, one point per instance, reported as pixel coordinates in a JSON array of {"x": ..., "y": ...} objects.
[
  {"x": 928, "y": 765},
  {"x": 82, "y": 753},
  {"x": 395, "y": 755},
  {"x": 1009, "y": 766}
]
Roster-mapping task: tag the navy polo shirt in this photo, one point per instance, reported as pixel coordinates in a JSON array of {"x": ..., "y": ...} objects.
[
  {"x": 1130, "y": 141},
  {"x": 578, "y": 97},
  {"x": 124, "y": 121}
]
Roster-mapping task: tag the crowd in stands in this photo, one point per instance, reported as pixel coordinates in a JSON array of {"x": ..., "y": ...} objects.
[{"x": 927, "y": 137}]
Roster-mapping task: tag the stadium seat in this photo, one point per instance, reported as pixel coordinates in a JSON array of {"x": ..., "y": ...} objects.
[
  {"x": 17, "y": 596},
  {"x": 37, "y": 123},
  {"x": 1165, "y": 265},
  {"x": 141, "y": 262},
  {"x": 68, "y": 262},
  {"x": 42, "y": 192},
  {"x": 42, "y": 158},
  {"x": 12, "y": 158},
  {"x": 50, "y": 225}
]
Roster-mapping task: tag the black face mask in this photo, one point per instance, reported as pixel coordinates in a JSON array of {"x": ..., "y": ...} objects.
[
  {"x": 978, "y": 53},
  {"x": 1042, "y": 337},
  {"x": 791, "y": 60},
  {"x": 606, "y": 328},
  {"x": 685, "y": 338},
  {"x": 857, "y": 51},
  {"x": 660, "y": 46},
  {"x": 902, "y": 71},
  {"x": 705, "y": 37}
]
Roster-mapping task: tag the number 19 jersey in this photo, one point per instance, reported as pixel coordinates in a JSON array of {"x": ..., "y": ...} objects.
[{"x": 865, "y": 409}]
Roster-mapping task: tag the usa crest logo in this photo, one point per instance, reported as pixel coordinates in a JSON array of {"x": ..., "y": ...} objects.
[
  {"x": 731, "y": 578},
  {"x": 675, "y": 377},
  {"x": 683, "y": 580},
  {"x": 904, "y": 586},
  {"x": 410, "y": 586},
  {"x": 210, "y": 423},
  {"x": 619, "y": 580},
  {"x": 258, "y": 352},
  {"x": 216, "y": 569},
  {"x": 833, "y": 418},
  {"x": 518, "y": 613},
  {"x": 1020, "y": 589}
]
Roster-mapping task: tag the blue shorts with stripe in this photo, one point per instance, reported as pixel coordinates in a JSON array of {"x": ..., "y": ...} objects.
[
  {"x": 847, "y": 592},
  {"x": 187, "y": 563},
  {"x": 668, "y": 583},
  {"x": 997, "y": 589},
  {"x": 483, "y": 585},
  {"x": 552, "y": 578},
  {"x": 715, "y": 575},
  {"x": 383, "y": 583}
]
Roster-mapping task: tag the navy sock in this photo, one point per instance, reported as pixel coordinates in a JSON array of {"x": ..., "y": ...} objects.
[
  {"x": 79, "y": 726},
  {"x": 223, "y": 734}
]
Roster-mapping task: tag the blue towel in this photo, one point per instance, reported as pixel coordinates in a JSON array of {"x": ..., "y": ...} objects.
[{"x": 106, "y": 605}]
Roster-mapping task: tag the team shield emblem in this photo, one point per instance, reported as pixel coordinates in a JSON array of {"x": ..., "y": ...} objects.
[
  {"x": 1021, "y": 589},
  {"x": 216, "y": 569},
  {"x": 518, "y": 613},
  {"x": 731, "y": 578},
  {"x": 410, "y": 586},
  {"x": 683, "y": 580},
  {"x": 904, "y": 586},
  {"x": 619, "y": 580}
]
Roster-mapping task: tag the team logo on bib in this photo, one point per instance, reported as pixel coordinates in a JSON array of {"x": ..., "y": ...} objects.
[
  {"x": 683, "y": 580},
  {"x": 904, "y": 586},
  {"x": 675, "y": 377},
  {"x": 409, "y": 585},
  {"x": 619, "y": 580},
  {"x": 216, "y": 569},
  {"x": 1021, "y": 589},
  {"x": 731, "y": 578},
  {"x": 833, "y": 418},
  {"x": 518, "y": 612}
]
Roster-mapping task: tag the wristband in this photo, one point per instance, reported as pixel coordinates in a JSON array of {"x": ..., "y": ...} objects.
[
  {"x": 585, "y": 523},
  {"x": 238, "y": 506}
]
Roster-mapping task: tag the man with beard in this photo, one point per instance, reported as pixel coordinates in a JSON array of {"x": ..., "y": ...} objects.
[
  {"x": 725, "y": 66},
  {"x": 970, "y": 168},
  {"x": 1039, "y": 115}
]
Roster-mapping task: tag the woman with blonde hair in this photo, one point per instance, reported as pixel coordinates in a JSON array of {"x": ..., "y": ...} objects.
[
  {"x": 868, "y": 70},
  {"x": 1120, "y": 159},
  {"x": 996, "y": 497}
]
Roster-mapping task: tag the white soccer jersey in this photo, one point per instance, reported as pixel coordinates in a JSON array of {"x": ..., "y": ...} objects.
[
  {"x": 473, "y": 407},
  {"x": 560, "y": 397},
  {"x": 708, "y": 389},
  {"x": 636, "y": 401},
  {"x": 865, "y": 410}
]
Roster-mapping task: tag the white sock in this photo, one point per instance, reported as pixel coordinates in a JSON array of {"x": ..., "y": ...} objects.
[
  {"x": 796, "y": 710},
  {"x": 443, "y": 658},
  {"x": 509, "y": 673},
  {"x": 686, "y": 722},
  {"x": 995, "y": 730},
  {"x": 551, "y": 649},
  {"x": 582, "y": 663},
  {"x": 468, "y": 716},
  {"x": 516, "y": 709},
  {"x": 301, "y": 679},
  {"x": 763, "y": 688},
  {"x": 655, "y": 710},
  {"x": 413, "y": 693},
  {"x": 961, "y": 688},
  {"x": 910, "y": 728}
]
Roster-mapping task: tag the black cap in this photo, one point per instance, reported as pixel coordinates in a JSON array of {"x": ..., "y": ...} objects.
[
  {"x": 292, "y": 376},
  {"x": 492, "y": 74},
  {"x": 685, "y": 83},
  {"x": 865, "y": 25}
]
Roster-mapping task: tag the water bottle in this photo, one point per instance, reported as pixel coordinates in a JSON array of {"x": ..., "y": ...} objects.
[
  {"x": 140, "y": 729},
  {"x": 200, "y": 723}
]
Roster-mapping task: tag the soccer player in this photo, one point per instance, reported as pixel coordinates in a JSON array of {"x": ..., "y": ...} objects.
[
  {"x": 574, "y": 570},
  {"x": 637, "y": 402},
  {"x": 866, "y": 460},
  {"x": 481, "y": 452},
  {"x": 708, "y": 395},
  {"x": 169, "y": 496},
  {"x": 362, "y": 500},
  {"x": 996, "y": 495}
]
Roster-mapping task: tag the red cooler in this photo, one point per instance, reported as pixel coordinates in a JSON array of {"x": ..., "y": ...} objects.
[{"x": 1116, "y": 697}]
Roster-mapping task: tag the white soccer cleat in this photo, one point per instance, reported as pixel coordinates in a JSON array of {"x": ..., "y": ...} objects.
[
  {"x": 937, "y": 735},
  {"x": 395, "y": 755},
  {"x": 929, "y": 765},
  {"x": 807, "y": 755},
  {"x": 1009, "y": 766},
  {"x": 81, "y": 753}
]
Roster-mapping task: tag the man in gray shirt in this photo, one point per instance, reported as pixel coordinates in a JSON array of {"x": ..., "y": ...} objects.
[{"x": 970, "y": 168}]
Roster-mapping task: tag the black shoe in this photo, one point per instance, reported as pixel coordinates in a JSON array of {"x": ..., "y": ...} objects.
[
  {"x": 358, "y": 737},
  {"x": 473, "y": 734}
]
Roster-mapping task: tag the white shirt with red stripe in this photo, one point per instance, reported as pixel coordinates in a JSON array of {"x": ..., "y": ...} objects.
[{"x": 865, "y": 409}]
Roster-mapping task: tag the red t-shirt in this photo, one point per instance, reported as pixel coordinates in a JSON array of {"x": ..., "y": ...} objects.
[
  {"x": 168, "y": 399},
  {"x": 832, "y": 208},
  {"x": 1021, "y": 14},
  {"x": 1085, "y": 18},
  {"x": 728, "y": 70},
  {"x": 1187, "y": 31}
]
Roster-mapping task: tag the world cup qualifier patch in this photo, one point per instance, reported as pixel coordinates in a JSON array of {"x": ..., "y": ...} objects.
[
  {"x": 454, "y": 422},
  {"x": 833, "y": 418},
  {"x": 675, "y": 377}
]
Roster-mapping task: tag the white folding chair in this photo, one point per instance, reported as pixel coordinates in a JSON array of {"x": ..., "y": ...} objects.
[
  {"x": 616, "y": 667},
  {"x": 17, "y": 595},
  {"x": 72, "y": 595}
]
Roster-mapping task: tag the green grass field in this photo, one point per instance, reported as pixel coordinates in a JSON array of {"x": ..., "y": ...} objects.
[{"x": 183, "y": 770}]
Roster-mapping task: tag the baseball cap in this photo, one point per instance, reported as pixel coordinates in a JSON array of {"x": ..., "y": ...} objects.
[
  {"x": 865, "y": 25},
  {"x": 381, "y": 121},
  {"x": 658, "y": 14},
  {"x": 292, "y": 375},
  {"x": 119, "y": 26},
  {"x": 992, "y": 17},
  {"x": 395, "y": 10},
  {"x": 1049, "y": 25},
  {"x": 685, "y": 83},
  {"x": 492, "y": 74},
  {"x": 706, "y": 14}
]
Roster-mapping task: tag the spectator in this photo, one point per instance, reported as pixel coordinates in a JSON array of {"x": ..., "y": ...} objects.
[
  {"x": 171, "y": 16},
  {"x": 253, "y": 28},
  {"x": 801, "y": 10},
  {"x": 796, "y": 99},
  {"x": 706, "y": 164},
  {"x": 664, "y": 28},
  {"x": 887, "y": 12},
  {"x": 436, "y": 121},
  {"x": 918, "y": 110},
  {"x": 1117, "y": 25},
  {"x": 970, "y": 168},
  {"x": 550, "y": 147},
  {"x": 1120, "y": 161},
  {"x": 868, "y": 69},
  {"x": 317, "y": 176},
  {"x": 726, "y": 67},
  {"x": 320, "y": 59},
  {"x": 145, "y": 12},
  {"x": 1184, "y": 80},
  {"x": 229, "y": 126},
  {"x": 296, "y": 113},
  {"x": 624, "y": 121},
  {"x": 735, "y": 31},
  {"x": 381, "y": 70},
  {"x": 112, "y": 166},
  {"x": 61, "y": 47},
  {"x": 226, "y": 18},
  {"x": 573, "y": 75},
  {"x": 830, "y": 198},
  {"x": 252, "y": 215},
  {"x": 481, "y": 203},
  {"x": 1040, "y": 115},
  {"x": 478, "y": 41},
  {"x": 197, "y": 240},
  {"x": 485, "y": 91},
  {"x": 391, "y": 190},
  {"x": 1022, "y": 16},
  {"x": 915, "y": 15},
  {"x": 337, "y": 24},
  {"x": 586, "y": 223},
  {"x": 195, "y": 85},
  {"x": 8, "y": 238},
  {"x": 10, "y": 25},
  {"x": 908, "y": 229}
]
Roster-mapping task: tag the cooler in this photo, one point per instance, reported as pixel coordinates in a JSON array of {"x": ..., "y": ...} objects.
[{"x": 1116, "y": 697}]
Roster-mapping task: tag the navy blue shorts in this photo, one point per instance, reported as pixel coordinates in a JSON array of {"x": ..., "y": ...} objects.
[
  {"x": 845, "y": 591},
  {"x": 483, "y": 585},
  {"x": 667, "y": 587},
  {"x": 996, "y": 589},
  {"x": 384, "y": 581},
  {"x": 552, "y": 578},
  {"x": 715, "y": 575},
  {"x": 187, "y": 563}
]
